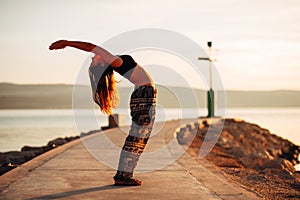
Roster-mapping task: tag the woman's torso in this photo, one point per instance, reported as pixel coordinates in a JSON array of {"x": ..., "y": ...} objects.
[
  {"x": 140, "y": 77},
  {"x": 133, "y": 72}
]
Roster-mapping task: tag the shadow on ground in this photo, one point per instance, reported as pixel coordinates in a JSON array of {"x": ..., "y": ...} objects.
[{"x": 77, "y": 192}]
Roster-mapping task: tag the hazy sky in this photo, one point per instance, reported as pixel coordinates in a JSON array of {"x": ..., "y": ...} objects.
[{"x": 256, "y": 42}]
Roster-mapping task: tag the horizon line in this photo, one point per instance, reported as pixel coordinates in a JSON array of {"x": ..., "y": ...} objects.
[{"x": 70, "y": 84}]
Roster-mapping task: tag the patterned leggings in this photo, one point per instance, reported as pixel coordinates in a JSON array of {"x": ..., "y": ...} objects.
[{"x": 142, "y": 107}]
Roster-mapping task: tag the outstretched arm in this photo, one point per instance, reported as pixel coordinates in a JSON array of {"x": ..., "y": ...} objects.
[{"x": 115, "y": 61}]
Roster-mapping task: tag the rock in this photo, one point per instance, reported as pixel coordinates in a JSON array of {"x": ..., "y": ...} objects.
[
  {"x": 88, "y": 133},
  {"x": 5, "y": 167},
  {"x": 277, "y": 163},
  {"x": 181, "y": 135},
  {"x": 38, "y": 149},
  {"x": 297, "y": 175},
  {"x": 276, "y": 152},
  {"x": 57, "y": 142}
]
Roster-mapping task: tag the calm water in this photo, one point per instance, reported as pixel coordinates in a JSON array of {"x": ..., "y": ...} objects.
[{"x": 37, "y": 127}]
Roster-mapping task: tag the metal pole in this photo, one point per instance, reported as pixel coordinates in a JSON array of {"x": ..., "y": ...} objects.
[
  {"x": 209, "y": 44},
  {"x": 210, "y": 92}
]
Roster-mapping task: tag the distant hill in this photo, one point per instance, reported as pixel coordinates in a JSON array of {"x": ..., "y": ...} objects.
[
  {"x": 277, "y": 98},
  {"x": 13, "y": 96}
]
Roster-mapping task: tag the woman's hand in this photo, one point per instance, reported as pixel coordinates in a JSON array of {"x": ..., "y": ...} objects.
[{"x": 60, "y": 44}]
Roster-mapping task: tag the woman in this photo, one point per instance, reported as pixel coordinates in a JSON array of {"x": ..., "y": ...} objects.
[{"x": 142, "y": 102}]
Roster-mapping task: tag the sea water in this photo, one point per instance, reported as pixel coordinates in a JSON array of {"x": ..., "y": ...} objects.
[{"x": 36, "y": 127}]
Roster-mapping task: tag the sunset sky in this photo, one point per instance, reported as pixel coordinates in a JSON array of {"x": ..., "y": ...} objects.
[{"x": 256, "y": 42}]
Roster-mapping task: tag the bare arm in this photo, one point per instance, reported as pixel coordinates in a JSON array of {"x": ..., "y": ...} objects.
[{"x": 115, "y": 61}]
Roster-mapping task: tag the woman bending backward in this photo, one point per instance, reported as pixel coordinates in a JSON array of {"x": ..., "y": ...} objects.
[{"x": 142, "y": 101}]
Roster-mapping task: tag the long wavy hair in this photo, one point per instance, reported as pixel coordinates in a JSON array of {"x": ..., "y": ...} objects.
[{"x": 104, "y": 88}]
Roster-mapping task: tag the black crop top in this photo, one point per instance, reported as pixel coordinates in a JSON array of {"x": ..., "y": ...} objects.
[{"x": 127, "y": 66}]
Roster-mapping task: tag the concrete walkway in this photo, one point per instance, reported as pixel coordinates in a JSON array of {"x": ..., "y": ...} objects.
[{"x": 83, "y": 169}]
